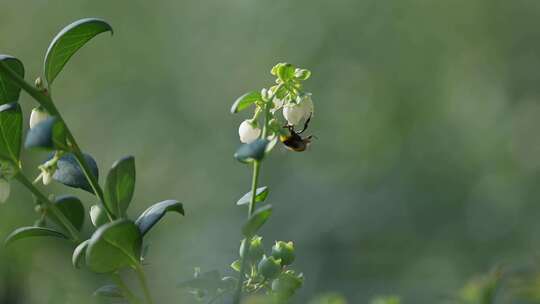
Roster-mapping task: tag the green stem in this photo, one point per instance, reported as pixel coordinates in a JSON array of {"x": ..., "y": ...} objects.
[
  {"x": 144, "y": 284},
  {"x": 62, "y": 219},
  {"x": 125, "y": 289},
  {"x": 254, "y": 184},
  {"x": 44, "y": 98}
]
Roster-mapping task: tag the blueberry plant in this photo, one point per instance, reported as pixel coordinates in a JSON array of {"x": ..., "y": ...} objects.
[
  {"x": 117, "y": 242},
  {"x": 259, "y": 272}
]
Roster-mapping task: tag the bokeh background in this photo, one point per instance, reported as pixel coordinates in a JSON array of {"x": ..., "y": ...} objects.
[{"x": 426, "y": 167}]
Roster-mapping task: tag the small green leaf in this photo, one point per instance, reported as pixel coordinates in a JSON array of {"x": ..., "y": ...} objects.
[
  {"x": 10, "y": 91},
  {"x": 252, "y": 151},
  {"x": 98, "y": 216},
  {"x": 78, "y": 254},
  {"x": 27, "y": 232},
  {"x": 72, "y": 208},
  {"x": 260, "y": 196},
  {"x": 108, "y": 291},
  {"x": 69, "y": 172},
  {"x": 68, "y": 41},
  {"x": 154, "y": 213},
  {"x": 120, "y": 186},
  {"x": 244, "y": 101},
  {"x": 49, "y": 134},
  {"x": 10, "y": 132},
  {"x": 236, "y": 265},
  {"x": 113, "y": 246},
  {"x": 257, "y": 220}
]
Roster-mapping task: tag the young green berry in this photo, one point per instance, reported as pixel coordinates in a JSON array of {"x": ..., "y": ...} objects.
[
  {"x": 286, "y": 284},
  {"x": 256, "y": 250},
  {"x": 38, "y": 115},
  {"x": 269, "y": 267},
  {"x": 248, "y": 131},
  {"x": 284, "y": 252},
  {"x": 5, "y": 189}
]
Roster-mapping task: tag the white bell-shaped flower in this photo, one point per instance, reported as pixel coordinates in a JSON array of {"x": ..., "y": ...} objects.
[
  {"x": 248, "y": 132},
  {"x": 38, "y": 115},
  {"x": 294, "y": 113},
  {"x": 5, "y": 189}
]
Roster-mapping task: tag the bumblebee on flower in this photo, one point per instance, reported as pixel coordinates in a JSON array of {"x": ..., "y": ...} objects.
[{"x": 287, "y": 97}]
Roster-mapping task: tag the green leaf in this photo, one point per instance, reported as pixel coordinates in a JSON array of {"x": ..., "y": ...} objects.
[
  {"x": 9, "y": 90},
  {"x": 120, "y": 185},
  {"x": 257, "y": 220},
  {"x": 10, "y": 132},
  {"x": 236, "y": 265},
  {"x": 113, "y": 246},
  {"x": 27, "y": 232},
  {"x": 252, "y": 151},
  {"x": 72, "y": 208},
  {"x": 108, "y": 291},
  {"x": 68, "y": 41},
  {"x": 260, "y": 196},
  {"x": 244, "y": 101},
  {"x": 49, "y": 135},
  {"x": 69, "y": 172},
  {"x": 154, "y": 213},
  {"x": 78, "y": 254},
  {"x": 98, "y": 216}
]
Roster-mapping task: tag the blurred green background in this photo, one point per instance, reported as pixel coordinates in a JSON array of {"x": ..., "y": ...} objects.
[{"x": 426, "y": 167}]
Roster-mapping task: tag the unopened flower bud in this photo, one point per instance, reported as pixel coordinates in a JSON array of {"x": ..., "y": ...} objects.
[
  {"x": 46, "y": 177},
  {"x": 269, "y": 267},
  {"x": 248, "y": 132},
  {"x": 256, "y": 249},
  {"x": 38, "y": 115},
  {"x": 38, "y": 83},
  {"x": 5, "y": 189},
  {"x": 284, "y": 252}
]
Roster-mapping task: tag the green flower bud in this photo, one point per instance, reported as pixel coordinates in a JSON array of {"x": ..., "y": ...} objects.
[
  {"x": 284, "y": 252},
  {"x": 256, "y": 250},
  {"x": 269, "y": 267},
  {"x": 286, "y": 284},
  {"x": 39, "y": 209}
]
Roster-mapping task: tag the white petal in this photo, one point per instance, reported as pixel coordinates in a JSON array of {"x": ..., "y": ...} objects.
[
  {"x": 5, "y": 189},
  {"x": 307, "y": 107},
  {"x": 38, "y": 115},
  {"x": 248, "y": 132}
]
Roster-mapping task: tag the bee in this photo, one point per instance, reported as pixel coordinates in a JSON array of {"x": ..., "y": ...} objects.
[{"x": 294, "y": 141}]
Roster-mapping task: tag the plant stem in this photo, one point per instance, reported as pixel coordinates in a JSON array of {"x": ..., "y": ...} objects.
[
  {"x": 254, "y": 184},
  {"x": 63, "y": 221},
  {"x": 125, "y": 289},
  {"x": 144, "y": 284},
  {"x": 46, "y": 101}
]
